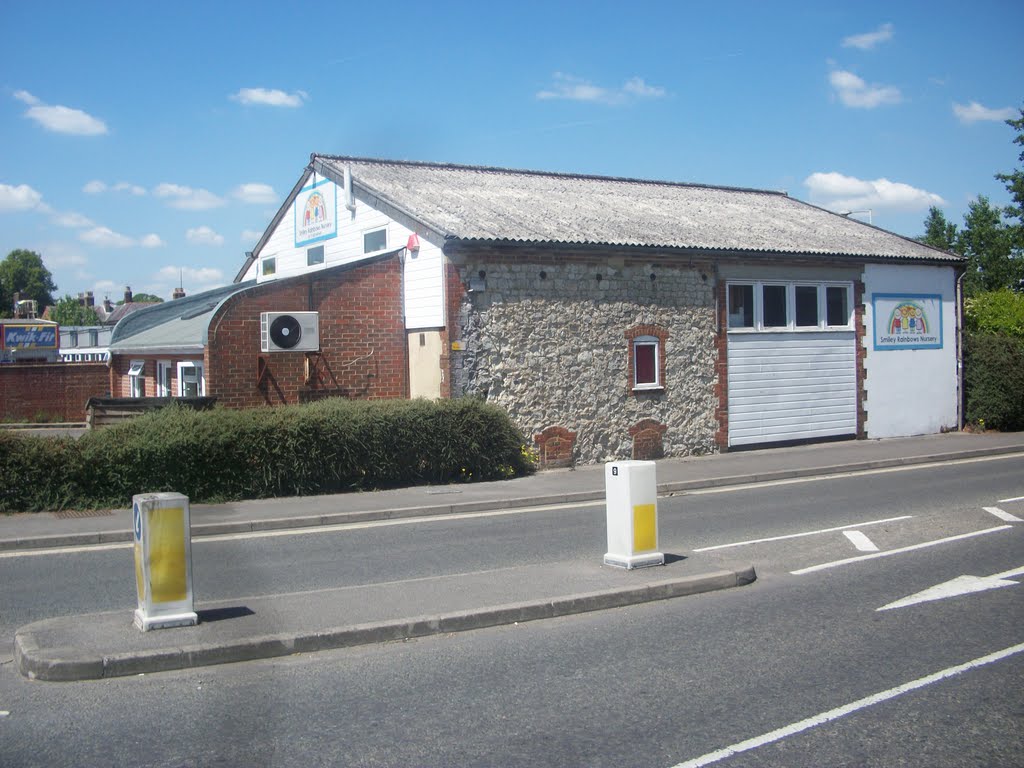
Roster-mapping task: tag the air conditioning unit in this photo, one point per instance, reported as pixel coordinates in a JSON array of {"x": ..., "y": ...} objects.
[{"x": 290, "y": 331}]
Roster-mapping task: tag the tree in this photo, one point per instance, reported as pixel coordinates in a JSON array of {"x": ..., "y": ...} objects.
[
  {"x": 938, "y": 232},
  {"x": 1015, "y": 181},
  {"x": 69, "y": 312},
  {"x": 988, "y": 245},
  {"x": 143, "y": 298},
  {"x": 23, "y": 272}
]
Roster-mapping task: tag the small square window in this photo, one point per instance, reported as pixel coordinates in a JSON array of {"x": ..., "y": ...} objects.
[
  {"x": 806, "y": 306},
  {"x": 269, "y": 266},
  {"x": 646, "y": 362},
  {"x": 741, "y": 306},
  {"x": 375, "y": 241},
  {"x": 774, "y": 306},
  {"x": 315, "y": 256},
  {"x": 837, "y": 305}
]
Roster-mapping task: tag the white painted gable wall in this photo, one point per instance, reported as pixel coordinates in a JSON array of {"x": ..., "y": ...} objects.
[
  {"x": 423, "y": 285},
  {"x": 913, "y": 391}
]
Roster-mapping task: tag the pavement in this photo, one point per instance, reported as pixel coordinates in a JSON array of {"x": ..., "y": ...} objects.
[{"x": 106, "y": 645}]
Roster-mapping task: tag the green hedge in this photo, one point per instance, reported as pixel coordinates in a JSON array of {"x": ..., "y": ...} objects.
[
  {"x": 994, "y": 380},
  {"x": 220, "y": 455}
]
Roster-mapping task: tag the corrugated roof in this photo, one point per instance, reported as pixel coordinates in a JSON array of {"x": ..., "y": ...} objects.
[
  {"x": 472, "y": 203},
  {"x": 177, "y": 324}
]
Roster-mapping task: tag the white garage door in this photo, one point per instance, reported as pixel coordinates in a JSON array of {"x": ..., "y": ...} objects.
[{"x": 791, "y": 386}]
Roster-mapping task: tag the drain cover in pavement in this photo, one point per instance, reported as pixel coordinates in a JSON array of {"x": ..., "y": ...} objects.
[{"x": 73, "y": 513}]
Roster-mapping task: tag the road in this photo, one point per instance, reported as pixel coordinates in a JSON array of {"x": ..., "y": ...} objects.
[{"x": 661, "y": 684}]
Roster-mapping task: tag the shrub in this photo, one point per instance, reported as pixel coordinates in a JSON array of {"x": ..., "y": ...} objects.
[
  {"x": 213, "y": 456},
  {"x": 995, "y": 312},
  {"x": 994, "y": 380}
]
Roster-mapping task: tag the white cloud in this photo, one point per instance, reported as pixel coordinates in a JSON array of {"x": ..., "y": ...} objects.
[
  {"x": 97, "y": 187},
  {"x": 869, "y": 40},
  {"x": 204, "y": 236},
  {"x": 257, "y": 194},
  {"x": 251, "y": 235},
  {"x": 151, "y": 241},
  {"x": 72, "y": 220},
  {"x": 637, "y": 87},
  {"x": 61, "y": 119},
  {"x": 854, "y": 92},
  {"x": 847, "y": 193},
  {"x": 187, "y": 198},
  {"x": 204, "y": 275},
  {"x": 973, "y": 112},
  {"x": 19, "y": 198},
  {"x": 106, "y": 238},
  {"x": 270, "y": 97},
  {"x": 134, "y": 189},
  {"x": 572, "y": 88}
]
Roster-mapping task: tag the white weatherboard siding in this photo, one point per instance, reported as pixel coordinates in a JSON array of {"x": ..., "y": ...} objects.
[
  {"x": 910, "y": 391},
  {"x": 791, "y": 386},
  {"x": 423, "y": 286}
]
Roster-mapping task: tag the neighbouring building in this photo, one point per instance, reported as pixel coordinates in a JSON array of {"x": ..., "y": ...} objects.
[{"x": 610, "y": 317}]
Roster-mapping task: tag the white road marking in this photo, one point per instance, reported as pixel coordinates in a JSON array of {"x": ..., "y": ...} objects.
[
  {"x": 841, "y": 475},
  {"x": 1002, "y": 515},
  {"x": 961, "y": 585},
  {"x": 63, "y": 550},
  {"x": 847, "y": 709},
  {"x": 900, "y": 551},
  {"x": 860, "y": 541},
  {"x": 1015, "y": 498},
  {"x": 805, "y": 533}
]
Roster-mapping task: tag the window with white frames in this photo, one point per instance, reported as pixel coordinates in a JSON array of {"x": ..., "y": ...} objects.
[
  {"x": 646, "y": 374},
  {"x": 136, "y": 382},
  {"x": 164, "y": 372},
  {"x": 190, "y": 379},
  {"x": 773, "y": 306},
  {"x": 375, "y": 240}
]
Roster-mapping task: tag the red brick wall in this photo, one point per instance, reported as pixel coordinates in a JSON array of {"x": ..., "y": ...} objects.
[
  {"x": 363, "y": 351},
  {"x": 454, "y": 291},
  {"x": 56, "y": 390}
]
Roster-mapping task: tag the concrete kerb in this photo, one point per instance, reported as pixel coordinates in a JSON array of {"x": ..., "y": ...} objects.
[
  {"x": 62, "y": 664},
  {"x": 342, "y": 518}
]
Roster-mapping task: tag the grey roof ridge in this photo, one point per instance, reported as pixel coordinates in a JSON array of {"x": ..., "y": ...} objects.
[{"x": 549, "y": 174}]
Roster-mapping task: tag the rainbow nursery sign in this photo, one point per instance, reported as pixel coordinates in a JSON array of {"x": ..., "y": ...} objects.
[
  {"x": 316, "y": 213},
  {"x": 907, "y": 321}
]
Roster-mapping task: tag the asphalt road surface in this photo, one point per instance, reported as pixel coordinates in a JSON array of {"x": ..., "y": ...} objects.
[{"x": 799, "y": 669}]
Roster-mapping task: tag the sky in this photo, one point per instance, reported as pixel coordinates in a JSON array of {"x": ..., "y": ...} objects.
[{"x": 150, "y": 144}]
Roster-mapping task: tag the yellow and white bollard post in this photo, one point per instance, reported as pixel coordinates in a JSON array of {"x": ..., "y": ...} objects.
[
  {"x": 631, "y": 498},
  {"x": 163, "y": 561}
]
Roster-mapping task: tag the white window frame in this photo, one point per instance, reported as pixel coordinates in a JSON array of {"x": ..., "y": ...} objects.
[
  {"x": 163, "y": 370},
  {"x": 198, "y": 366},
  {"x": 373, "y": 231},
  {"x": 136, "y": 378},
  {"x": 268, "y": 266},
  {"x": 791, "y": 326},
  {"x": 648, "y": 341}
]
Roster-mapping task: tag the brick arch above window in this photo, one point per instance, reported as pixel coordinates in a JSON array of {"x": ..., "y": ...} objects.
[{"x": 645, "y": 371}]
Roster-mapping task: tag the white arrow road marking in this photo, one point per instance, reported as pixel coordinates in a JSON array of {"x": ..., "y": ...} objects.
[
  {"x": 860, "y": 541},
  {"x": 804, "y": 533},
  {"x": 1002, "y": 515},
  {"x": 1015, "y": 498},
  {"x": 834, "y": 714},
  {"x": 961, "y": 585}
]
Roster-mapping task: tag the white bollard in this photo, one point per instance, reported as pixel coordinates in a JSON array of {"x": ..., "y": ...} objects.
[
  {"x": 631, "y": 498},
  {"x": 163, "y": 561}
]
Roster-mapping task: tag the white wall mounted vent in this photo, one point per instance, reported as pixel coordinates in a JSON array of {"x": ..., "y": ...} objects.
[{"x": 290, "y": 331}]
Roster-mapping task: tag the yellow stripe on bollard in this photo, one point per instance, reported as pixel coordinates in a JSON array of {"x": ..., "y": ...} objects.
[
  {"x": 645, "y": 528},
  {"x": 167, "y": 569}
]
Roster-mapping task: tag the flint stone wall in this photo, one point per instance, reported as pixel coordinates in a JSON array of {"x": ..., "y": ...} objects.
[{"x": 552, "y": 351}]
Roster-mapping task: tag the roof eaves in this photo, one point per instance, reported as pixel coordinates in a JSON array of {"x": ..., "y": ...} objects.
[{"x": 252, "y": 255}]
